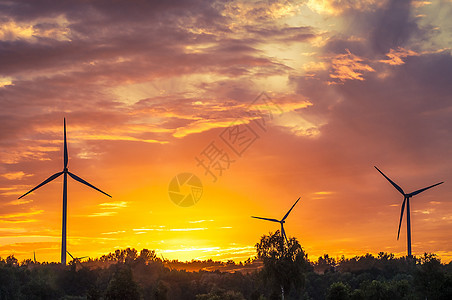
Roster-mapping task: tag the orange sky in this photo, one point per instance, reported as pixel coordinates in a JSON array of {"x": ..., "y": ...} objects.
[{"x": 146, "y": 88}]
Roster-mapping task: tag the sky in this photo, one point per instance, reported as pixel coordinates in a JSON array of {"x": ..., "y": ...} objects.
[{"x": 262, "y": 102}]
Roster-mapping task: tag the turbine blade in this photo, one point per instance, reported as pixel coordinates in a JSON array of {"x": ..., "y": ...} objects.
[
  {"x": 65, "y": 146},
  {"x": 290, "y": 210},
  {"x": 75, "y": 177},
  {"x": 401, "y": 217},
  {"x": 392, "y": 182},
  {"x": 267, "y": 219},
  {"x": 82, "y": 257},
  {"x": 283, "y": 232},
  {"x": 70, "y": 255},
  {"x": 42, "y": 183},
  {"x": 421, "y": 190}
]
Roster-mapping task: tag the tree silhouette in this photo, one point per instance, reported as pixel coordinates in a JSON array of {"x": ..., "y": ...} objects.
[
  {"x": 338, "y": 291},
  {"x": 430, "y": 279},
  {"x": 123, "y": 274},
  {"x": 217, "y": 294},
  {"x": 147, "y": 256},
  {"x": 11, "y": 260},
  {"x": 325, "y": 264},
  {"x": 122, "y": 285},
  {"x": 285, "y": 264}
]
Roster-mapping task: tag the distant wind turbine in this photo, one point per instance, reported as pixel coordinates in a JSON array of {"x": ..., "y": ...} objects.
[
  {"x": 167, "y": 262},
  {"x": 282, "y": 221},
  {"x": 76, "y": 259},
  {"x": 65, "y": 172},
  {"x": 406, "y": 199}
]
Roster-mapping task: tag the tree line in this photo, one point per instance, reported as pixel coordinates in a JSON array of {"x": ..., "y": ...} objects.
[{"x": 280, "y": 270}]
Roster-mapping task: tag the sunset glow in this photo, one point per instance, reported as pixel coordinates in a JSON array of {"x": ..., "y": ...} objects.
[{"x": 149, "y": 89}]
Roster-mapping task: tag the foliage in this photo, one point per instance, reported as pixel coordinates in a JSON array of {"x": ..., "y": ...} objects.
[
  {"x": 122, "y": 285},
  {"x": 338, "y": 291},
  {"x": 430, "y": 279},
  {"x": 220, "y": 294},
  {"x": 325, "y": 264},
  {"x": 129, "y": 274},
  {"x": 285, "y": 263}
]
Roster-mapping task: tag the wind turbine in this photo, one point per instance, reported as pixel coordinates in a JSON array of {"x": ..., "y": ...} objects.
[
  {"x": 282, "y": 221},
  {"x": 65, "y": 172},
  {"x": 167, "y": 262},
  {"x": 76, "y": 259},
  {"x": 406, "y": 200}
]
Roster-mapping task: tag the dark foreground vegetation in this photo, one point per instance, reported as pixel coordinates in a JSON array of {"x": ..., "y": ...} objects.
[{"x": 279, "y": 270}]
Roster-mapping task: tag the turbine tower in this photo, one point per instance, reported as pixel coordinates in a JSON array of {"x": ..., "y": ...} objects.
[
  {"x": 65, "y": 172},
  {"x": 282, "y": 221},
  {"x": 406, "y": 200}
]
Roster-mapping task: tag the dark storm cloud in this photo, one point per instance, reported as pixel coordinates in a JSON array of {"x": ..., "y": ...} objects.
[
  {"x": 115, "y": 11},
  {"x": 138, "y": 30},
  {"x": 21, "y": 56},
  {"x": 394, "y": 26},
  {"x": 103, "y": 30},
  {"x": 339, "y": 44},
  {"x": 109, "y": 44},
  {"x": 373, "y": 33},
  {"x": 403, "y": 115}
]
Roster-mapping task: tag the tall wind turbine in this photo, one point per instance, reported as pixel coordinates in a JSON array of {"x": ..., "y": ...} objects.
[
  {"x": 406, "y": 200},
  {"x": 65, "y": 172},
  {"x": 282, "y": 221}
]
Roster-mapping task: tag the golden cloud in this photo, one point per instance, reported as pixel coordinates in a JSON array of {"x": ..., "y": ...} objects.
[
  {"x": 395, "y": 56},
  {"x": 349, "y": 67}
]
